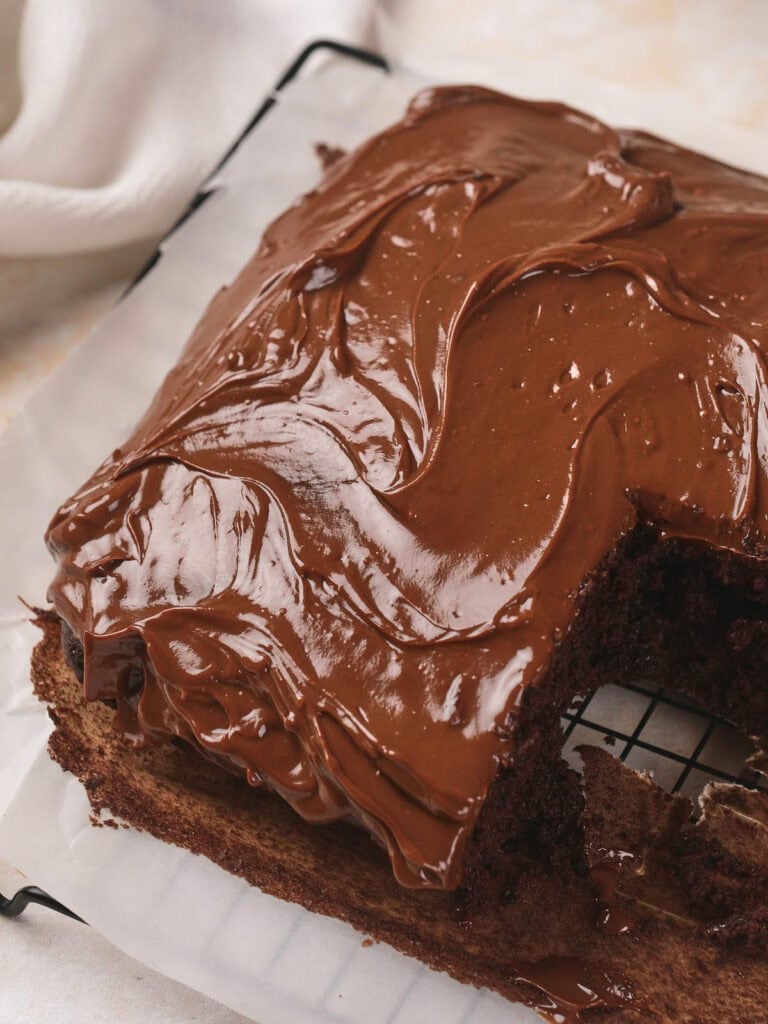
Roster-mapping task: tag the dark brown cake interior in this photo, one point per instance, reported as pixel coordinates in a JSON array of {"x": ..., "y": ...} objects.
[{"x": 670, "y": 611}]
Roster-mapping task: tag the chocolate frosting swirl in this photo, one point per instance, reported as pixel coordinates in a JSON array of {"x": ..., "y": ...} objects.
[{"x": 348, "y": 532}]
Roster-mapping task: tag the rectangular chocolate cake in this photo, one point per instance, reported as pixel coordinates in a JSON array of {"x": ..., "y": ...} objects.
[{"x": 480, "y": 427}]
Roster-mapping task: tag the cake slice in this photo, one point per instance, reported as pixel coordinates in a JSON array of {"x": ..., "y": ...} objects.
[{"x": 481, "y": 426}]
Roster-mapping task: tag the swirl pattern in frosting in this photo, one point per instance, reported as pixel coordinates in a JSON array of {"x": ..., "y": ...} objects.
[{"x": 347, "y": 535}]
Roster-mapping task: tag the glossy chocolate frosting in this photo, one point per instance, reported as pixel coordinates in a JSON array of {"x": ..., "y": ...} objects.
[{"x": 349, "y": 531}]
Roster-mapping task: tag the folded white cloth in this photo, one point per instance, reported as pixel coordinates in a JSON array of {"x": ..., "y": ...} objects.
[
  {"x": 111, "y": 114},
  {"x": 122, "y": 108}
]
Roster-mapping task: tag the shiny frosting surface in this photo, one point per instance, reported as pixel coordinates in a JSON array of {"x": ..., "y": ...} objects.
[{"x": 348, "y": 532}]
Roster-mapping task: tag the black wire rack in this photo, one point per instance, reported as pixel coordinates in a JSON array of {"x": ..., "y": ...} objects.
[
  {"x": 649, "y": 727},
  {"x": 17, "y": 904}
]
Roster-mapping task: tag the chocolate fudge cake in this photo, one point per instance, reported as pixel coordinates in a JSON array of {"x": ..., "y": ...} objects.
[
  {"x": 658, "y": 923},
  {"x": 481, "y": 426}
]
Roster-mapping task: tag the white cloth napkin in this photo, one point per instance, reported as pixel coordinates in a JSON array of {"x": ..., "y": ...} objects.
[
  {"x": 124, "y": 107},
  {"x": 111, "y": 114}
]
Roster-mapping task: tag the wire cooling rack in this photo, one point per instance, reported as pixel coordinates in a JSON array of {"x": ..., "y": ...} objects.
[
  {"x": 648, "y": 727},
  {"x": 652, "y": 729}
]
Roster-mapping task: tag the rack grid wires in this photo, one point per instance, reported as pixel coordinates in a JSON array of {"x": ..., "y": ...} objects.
[{"x": 654, "y": 729}]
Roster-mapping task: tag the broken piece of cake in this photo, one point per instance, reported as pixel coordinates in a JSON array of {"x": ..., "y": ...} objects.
[{"x": 480, "y": 427}]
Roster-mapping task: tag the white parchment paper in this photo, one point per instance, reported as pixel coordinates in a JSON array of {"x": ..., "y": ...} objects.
[{"x": 171, "y": 909}]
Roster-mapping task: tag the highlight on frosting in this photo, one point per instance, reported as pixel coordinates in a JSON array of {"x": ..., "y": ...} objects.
[{"x": 344, "y": 540}]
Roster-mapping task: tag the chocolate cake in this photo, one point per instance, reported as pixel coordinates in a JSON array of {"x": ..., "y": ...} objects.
[
  {"x": 481, "y": 426},
  {"x": 629, "y": 935}
]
